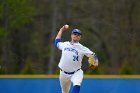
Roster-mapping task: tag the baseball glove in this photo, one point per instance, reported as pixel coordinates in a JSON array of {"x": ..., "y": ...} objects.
[{"x": 93, "y": 61}]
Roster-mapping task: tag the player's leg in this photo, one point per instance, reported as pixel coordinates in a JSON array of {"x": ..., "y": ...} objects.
[
  {"x": 77, "y": 80},
  {"x": 65, "y": 82},
  {"x": 76, "y": 89}
]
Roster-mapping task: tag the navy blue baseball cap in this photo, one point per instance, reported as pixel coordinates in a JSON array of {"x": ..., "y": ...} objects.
[{"x": 76, "y": 31}]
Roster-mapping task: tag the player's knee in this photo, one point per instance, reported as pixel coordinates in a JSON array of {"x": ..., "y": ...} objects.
[{"x": 77, "y": 83}]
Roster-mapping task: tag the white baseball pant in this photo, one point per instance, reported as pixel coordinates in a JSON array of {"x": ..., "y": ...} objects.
[{"x": 66, "y": 79}]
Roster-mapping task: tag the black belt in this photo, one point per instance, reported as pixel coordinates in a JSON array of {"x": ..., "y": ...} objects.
[{"x": 70, "y": 72}]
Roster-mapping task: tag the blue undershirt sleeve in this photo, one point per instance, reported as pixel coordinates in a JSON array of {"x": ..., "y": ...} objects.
[{"x": 56, "y": 42}]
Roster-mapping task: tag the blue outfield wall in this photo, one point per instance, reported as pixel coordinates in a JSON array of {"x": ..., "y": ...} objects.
[{"x": 102, "y": 84}]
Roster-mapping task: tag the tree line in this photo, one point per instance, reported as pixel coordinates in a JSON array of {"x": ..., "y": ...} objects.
[{"x": 28, "y": 28}]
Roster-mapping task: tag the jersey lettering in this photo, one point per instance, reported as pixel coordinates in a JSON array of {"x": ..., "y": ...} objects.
[{"x": 72, "y": 50}]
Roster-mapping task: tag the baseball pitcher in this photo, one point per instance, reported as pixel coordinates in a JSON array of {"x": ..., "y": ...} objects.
[{"x": 71, "y": 58}]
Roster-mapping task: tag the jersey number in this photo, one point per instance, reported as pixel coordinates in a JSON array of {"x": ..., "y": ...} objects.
[{"x": 75, "y": 58}]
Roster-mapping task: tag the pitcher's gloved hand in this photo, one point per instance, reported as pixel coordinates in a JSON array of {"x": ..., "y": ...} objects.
[{"x": 93, "y": 61}]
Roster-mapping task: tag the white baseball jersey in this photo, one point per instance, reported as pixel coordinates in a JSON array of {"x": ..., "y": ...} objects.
[{"x": 72, "y": 55}]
